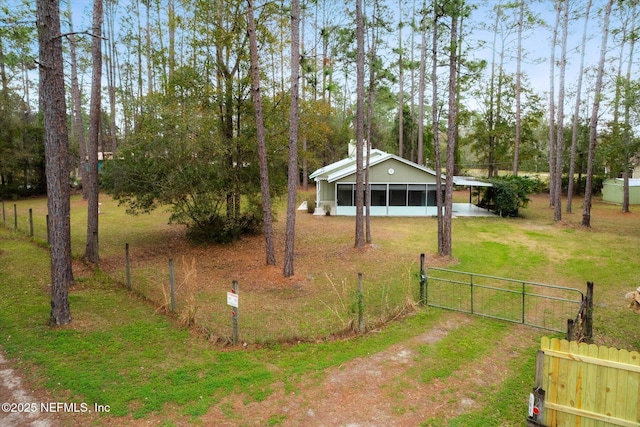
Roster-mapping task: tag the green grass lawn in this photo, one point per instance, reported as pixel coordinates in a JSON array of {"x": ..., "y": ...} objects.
[{"x": 121, "y": 351}]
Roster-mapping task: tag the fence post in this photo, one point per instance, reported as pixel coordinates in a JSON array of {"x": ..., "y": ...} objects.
[
  {"x": 422, "y": 281},
  {"x": 537, "y": 397},
  {"x": 570, "y": 329},
  {"x": 127, "y": 265},
  {"x": 471, "y": 290},
  {"x": 588, "y": 321},
  {"x": 15, "y": 216},
  {"x": 234, "y": 315},
  {"x": 426, "y": 287},
  {"x": 172, "y": 285},
  {"x": 524, "y": 295},
  {"x": 4, "y": 215},
  {"x": 31, "y": 222},
  {"x": 360, "y": 304}
]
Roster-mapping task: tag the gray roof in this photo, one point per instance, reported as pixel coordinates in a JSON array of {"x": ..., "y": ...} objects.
[
  {"x": 345, "y": 167},
  {"x": 470, "y": 181}
]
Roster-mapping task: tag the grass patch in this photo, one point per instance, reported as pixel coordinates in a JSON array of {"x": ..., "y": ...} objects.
[
  {"x": 508, "y": 406},
  {"x": 460, "y": 346},
  {"x": 117, "y": 351}
]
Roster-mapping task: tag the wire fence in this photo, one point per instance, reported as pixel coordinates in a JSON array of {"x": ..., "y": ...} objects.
[
  {"x": 265, "y": 313},
  {"x": 28, "y": 222},
  {"x": 332, "y": 306},
  {"x": 269, "y": 314}
]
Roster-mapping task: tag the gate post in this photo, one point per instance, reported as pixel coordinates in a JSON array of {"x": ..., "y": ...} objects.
[
  {"x": 588, "y": 321},
  {"x": 570, "y": 330},
  {"x": 537, "y": 396}
]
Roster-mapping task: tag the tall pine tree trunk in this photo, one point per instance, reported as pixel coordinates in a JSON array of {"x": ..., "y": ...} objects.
[
  {"x": 305, "y": 167},
  {"x": 552, "y": 109},
  {"x": 436, "y": 130},
  {"x": 76, "y": 99},
  {"x": 491, "y": 125},
  {"x": 111, "y": 67},
  {"x": 451, "y": 124},
  {"x": 400, "y": 86},
  {"x": 627, "y": 113},
  {"x": 371, "y": 98},
  {"x": 260, "y": 134},
  {"x": 54, "y": 109},
  {"x": 359, "y": 237},
  {"x": 593, "y": 124},
  {"x": 293, "y": 141},
  {"x": 516, "y": 146},
  {"x": 557, "y": 206},
  {"x": 91, "y": 248},
  {"x": 421, "y": 86},
  {"x": 576, "y": 113}
]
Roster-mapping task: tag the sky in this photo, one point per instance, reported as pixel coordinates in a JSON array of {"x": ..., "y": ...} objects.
[{"x": 536, "y": 43}]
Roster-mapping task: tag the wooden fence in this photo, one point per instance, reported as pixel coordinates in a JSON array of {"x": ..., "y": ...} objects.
[{"x": 585, "y": 385}]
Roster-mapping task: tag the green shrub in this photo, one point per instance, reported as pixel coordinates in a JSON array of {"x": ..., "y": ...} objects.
[
  {"x": 580, "y": 184},
  {"x": 311, "y": 206},
  {"x": 510, "y": 193}
]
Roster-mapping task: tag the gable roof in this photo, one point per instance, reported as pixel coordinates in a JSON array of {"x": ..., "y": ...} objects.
[
  {"x": 346, "y": 167},
  {"x": 326, "y": 170}
]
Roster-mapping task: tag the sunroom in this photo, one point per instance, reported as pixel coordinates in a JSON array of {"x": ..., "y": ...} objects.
[{"x": 398, "y": 187}]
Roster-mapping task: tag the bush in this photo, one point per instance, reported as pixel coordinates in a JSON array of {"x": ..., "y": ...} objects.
[
  {"x": 311, "y": 206},
  {"x": 580, "y": 185},
  {"x": 219, "y": 229},
  {"x": 510, "y": 193}
]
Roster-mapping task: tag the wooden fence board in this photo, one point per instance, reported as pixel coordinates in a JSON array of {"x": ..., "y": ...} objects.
[
  {"x": 611, "y": 385},
  {"x": 574, "y": 383},
  {"x": 633, "y": 408},
  {"x": 552, "y": 381},
  {"x": 621, "y": 387},
  {"x": 563, "y": 417},
  {"x": 591, "y": 372},
  {"x": 590, "y": 386}
]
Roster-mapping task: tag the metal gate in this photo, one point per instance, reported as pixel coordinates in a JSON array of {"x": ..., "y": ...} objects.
[{"x": 534, "y": 304}]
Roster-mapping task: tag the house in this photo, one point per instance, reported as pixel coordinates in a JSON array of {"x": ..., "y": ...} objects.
[
  {"x": 612, "y": 191},
  {"x": 635, "y": 161},
  {"x": 398, "y": 186}
]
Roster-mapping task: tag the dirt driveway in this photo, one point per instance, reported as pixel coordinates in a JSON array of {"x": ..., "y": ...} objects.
[
  {"x": 381, "y": 389},
  {"x": 377, "y": 390}
]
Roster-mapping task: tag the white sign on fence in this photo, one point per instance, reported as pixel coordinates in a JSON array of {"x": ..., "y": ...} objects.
[{"x": 232, "y": 299}]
